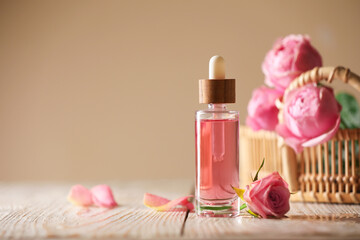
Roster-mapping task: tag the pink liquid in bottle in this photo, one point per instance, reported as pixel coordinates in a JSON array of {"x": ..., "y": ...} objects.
[
  {"x": 218, "y": 160},
  {"x": 217, "y": 164}
]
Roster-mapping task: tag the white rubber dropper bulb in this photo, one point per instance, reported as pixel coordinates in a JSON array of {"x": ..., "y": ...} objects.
[{"x": 217, "y": 67}]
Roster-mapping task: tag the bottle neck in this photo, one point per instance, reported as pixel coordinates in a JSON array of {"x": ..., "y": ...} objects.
[{"x": 217, "y": 107}]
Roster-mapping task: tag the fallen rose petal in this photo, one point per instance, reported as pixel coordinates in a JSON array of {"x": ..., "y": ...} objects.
[
  {"x": 162, "y": 204},
  {"x": 102, "y": 196},
  {"x": 154, "y": 200},
  {"x": 80, "y": 196}
]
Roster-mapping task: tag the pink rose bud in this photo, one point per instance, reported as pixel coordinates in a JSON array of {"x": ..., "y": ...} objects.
[
  {"x": 289, "y": 57},
  {"x": 268, "y": 196},
  {"x": 262, "y": 112},
  {"x": 103, "y": 196},
  {"x": 80, "y": 196},
  {"x": 311, "y": 116}
]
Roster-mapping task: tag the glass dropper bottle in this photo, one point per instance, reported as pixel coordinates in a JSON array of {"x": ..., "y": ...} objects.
[{"x": 217, "y": 145}]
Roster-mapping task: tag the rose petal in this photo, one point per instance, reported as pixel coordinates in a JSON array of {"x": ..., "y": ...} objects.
[
  {"x": 290, "y": 139},
  {"x": 324, "y": 137},
  {"x": 260, "y": 186},
  {"x": 256, "y": 206},
  {"x": 103, "y": 196},
  {"x": 152, "y": 200},
  {"x": 162, "y": 204},
  {"x": 281, "y": 206},
  {"x": 251, "y": 122},
  {"x": 80, "y": 196}
]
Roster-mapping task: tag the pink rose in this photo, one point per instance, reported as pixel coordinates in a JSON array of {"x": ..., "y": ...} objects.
[
  {"x": 262, "y": 112},
  {"x": 289, "y": 57},
  {"x": 268, "y": 196},
  {"x": 311, "y": 116}
]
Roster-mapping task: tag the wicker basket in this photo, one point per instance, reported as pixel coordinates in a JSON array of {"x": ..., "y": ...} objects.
[{"x": 329, "y": 172}]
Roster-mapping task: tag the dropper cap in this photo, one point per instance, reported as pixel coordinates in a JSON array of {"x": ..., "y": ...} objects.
[{"x": 217, "y": 89}]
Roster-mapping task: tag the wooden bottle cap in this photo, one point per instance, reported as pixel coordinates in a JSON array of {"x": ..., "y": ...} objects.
[{"x": 217, "y": 91}]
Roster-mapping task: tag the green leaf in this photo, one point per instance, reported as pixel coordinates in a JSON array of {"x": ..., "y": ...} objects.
[
  {"x": 257, "y": 173},
  {"x": 215, "y": 208},
  {"x": 240, "y": 192},
  {"x": 350, "y": 112},
  {"x": 243, "y": 206},
  {"x": 252, "y": 213}
]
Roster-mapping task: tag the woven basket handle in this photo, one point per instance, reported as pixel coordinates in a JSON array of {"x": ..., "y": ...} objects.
[{"x": 325, "y": 73}]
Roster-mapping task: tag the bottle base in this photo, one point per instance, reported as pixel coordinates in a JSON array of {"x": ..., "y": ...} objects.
[{"x": 225, "y": 208}]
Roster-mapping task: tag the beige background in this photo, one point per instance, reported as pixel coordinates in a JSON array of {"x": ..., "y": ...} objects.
[{"x": 95, "y": 90}]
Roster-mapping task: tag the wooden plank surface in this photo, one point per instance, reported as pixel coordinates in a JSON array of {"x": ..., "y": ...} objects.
[
  {"x": 40, "y": 211},
  {"x": 305, "y": 221},
  {"x": 34, "y": 211}
]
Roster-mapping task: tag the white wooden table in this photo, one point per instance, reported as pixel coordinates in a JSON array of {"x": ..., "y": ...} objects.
[{"x": 41, "y": 211}]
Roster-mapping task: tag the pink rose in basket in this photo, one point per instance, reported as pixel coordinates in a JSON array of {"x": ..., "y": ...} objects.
[
  {"x": 311, "y": 116},
  {"x": 262, "y": 112},
  {"x": 268, "y": 196},
  {"x": 289, "y": 57}
]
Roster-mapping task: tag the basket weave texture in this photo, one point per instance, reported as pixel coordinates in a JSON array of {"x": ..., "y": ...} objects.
[{"x": 328, "y": 172}]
